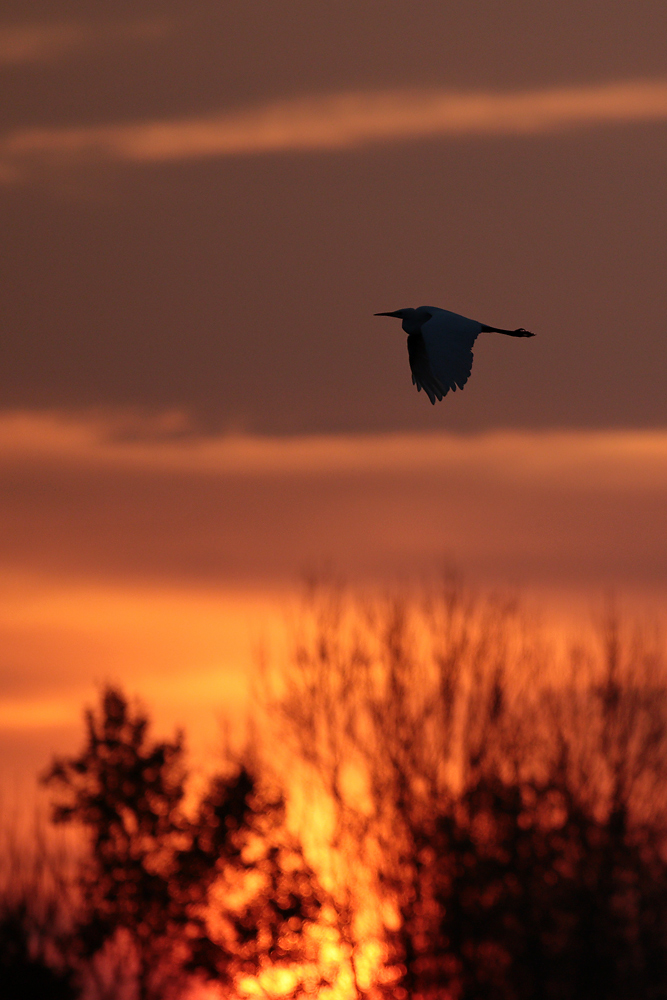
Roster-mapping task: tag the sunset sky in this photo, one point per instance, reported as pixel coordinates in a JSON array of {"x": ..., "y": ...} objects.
[{"x": 203, "y": 204}]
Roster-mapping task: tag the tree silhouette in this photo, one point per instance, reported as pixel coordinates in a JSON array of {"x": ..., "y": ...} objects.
[
  {"x": 495, "y": 833},
  {"x": 515, "y": 825},
  {"x": 127, "y": 793},
  {"x": 152, "y": 865}
]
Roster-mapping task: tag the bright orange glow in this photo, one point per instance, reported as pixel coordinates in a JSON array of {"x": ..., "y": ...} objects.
[{"x": 188, "y": 653}]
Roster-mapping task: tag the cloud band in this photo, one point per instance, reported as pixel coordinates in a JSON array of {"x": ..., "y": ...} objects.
[{"x": 339, "y": 121}]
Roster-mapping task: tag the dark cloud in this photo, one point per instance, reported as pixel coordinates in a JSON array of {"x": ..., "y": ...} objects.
[{"x": 243, "y": 290}]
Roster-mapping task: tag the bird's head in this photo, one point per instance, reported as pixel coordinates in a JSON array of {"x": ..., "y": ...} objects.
[
  {"x": 399, "y": 313},
  {"x": 412, "y": 318}
]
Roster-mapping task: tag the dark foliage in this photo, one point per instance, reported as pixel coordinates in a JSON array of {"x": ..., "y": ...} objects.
[
  {"x": 152, "y": 864},
  {"x": 35, "y": 909},
  {"x": 539, "y": 870},
  {"x": 513, "y": 831},
  {"x": 517, "y": 892},
  {"x": 27, "y": 972}
]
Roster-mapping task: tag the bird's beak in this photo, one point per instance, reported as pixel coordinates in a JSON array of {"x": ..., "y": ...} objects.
[{"x": 398, "y": 314}]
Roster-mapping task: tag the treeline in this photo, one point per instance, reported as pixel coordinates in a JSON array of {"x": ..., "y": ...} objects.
[{"x": 430, "y": 807}]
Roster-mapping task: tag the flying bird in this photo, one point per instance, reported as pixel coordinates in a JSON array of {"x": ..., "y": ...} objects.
[{"x": 440, "y": 347}]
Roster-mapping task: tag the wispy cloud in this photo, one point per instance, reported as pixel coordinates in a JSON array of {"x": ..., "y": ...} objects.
[
  {"x": 341, "y": 121},
  {"x": 31, "y": 43},
  {"x": 41, "y": 42}
]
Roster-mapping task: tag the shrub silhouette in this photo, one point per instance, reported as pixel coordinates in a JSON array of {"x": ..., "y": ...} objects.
[
  {"x": 34, "y": 919},
  {"x": 28, "y": 967}
]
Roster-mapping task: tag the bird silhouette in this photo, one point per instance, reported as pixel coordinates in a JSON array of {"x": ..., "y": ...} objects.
[{"x": 440, "y": 347}]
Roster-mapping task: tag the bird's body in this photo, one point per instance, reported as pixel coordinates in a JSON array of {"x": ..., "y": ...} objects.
[{"x": 440, "y": 347}]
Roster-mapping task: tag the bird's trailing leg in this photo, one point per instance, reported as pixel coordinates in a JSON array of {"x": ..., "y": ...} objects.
[{"x": 510, "y": 333}]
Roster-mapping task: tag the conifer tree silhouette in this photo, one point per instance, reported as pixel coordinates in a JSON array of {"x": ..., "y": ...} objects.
[{"x": 152, "y": 864}]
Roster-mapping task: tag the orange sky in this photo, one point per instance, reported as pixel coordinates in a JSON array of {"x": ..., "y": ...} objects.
[
  {"x": 203, "y": 205},
  {"x": 136, "y": 551}
]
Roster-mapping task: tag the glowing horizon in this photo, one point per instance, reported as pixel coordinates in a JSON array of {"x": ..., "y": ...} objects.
[{"x": 175, "y": 550}]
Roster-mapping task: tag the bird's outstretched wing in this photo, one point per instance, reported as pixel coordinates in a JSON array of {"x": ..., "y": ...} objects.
[
  {"x": 449, "y": 351},
  {"x": 422, "y": 375}
]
